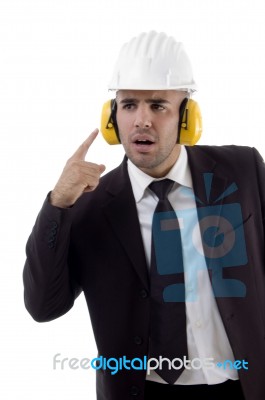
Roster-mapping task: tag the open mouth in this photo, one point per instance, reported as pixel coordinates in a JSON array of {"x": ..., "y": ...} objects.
[
  {"x": 144, "y": 145},
  {"x": 143, "y": 142}
]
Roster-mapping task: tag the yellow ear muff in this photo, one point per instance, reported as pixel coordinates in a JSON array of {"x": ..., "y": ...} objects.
[
  {"x": 108, "y": 124},
  {"x": 191, "y": 124}
]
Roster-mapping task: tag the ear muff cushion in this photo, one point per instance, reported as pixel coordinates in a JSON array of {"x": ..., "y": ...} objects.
[
  {"x": 181, "y": 115},
  {"x": 113, "y": 118}
]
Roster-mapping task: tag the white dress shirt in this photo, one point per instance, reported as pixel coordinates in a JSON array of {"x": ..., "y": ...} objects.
[{"x": 205, "y": 330}]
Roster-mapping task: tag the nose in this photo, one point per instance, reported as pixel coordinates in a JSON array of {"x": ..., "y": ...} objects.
[{"x": 142, "y": 118}]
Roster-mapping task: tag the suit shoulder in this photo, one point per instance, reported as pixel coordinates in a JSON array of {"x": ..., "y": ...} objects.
[
  {"x": 233, "y": 153},
  {"x": 225, "y": 149}
]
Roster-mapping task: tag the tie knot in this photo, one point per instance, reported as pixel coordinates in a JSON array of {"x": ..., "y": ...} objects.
[{"x": 161, "y": 188}]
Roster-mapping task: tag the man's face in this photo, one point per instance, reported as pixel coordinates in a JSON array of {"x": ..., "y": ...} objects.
[{"x": 148, "y": 128}]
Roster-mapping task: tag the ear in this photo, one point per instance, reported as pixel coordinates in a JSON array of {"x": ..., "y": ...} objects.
[
  {"x": 190, "y": 122},
  {"x": 109, "y": 127}
]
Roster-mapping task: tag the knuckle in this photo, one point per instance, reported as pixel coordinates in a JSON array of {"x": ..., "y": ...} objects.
[{"x": 93, "y": 184}]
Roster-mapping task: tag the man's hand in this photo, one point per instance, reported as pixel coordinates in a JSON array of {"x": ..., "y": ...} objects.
[{"x": 78, "y": 176}]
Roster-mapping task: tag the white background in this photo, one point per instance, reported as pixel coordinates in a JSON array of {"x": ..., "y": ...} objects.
[{"x": 56, "y": 58}]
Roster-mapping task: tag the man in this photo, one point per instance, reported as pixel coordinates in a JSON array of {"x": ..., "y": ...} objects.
[{"x": 97, "y": 235}]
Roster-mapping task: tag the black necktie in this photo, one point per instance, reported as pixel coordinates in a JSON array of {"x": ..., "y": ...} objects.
[{"x": 168, "y": 337}]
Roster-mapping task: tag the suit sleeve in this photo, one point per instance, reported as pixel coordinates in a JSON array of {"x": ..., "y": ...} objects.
[
  {"x": 260, "y": 166},
  {"x": 50, "y": 287}
]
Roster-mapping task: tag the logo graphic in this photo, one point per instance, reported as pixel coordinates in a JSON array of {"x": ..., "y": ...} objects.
[{"x": 222, "y": 244}]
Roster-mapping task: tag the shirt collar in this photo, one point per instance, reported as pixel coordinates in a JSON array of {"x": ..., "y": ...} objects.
[{"x": 180, "y": 173}]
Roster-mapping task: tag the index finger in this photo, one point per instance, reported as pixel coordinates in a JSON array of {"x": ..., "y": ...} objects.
[{"x": 82, "y": 150}]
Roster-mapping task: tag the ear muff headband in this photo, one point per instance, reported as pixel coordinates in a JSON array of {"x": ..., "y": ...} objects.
[{"x": 190, "y": 125}]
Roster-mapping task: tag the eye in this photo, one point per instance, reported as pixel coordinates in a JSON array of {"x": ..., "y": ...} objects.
[
  {"x": 157, "y": 106},
  {"x": 128, "y": 106}
]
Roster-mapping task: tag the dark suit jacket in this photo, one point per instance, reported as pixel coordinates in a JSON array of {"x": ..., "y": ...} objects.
[{"x": 96, "y": 246}]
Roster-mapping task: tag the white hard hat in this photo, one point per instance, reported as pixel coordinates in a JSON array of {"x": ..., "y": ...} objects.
[{"x": 153, "y": 61}]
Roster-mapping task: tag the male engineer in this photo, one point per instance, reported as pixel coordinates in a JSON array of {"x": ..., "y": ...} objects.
[{"x": 168, "y": 247}]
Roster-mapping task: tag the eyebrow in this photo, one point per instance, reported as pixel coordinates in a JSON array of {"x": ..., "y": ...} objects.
[{"x": 148, "y": 101}]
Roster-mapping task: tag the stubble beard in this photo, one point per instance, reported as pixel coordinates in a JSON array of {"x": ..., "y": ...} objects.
[{"x": 147, "y": 162}]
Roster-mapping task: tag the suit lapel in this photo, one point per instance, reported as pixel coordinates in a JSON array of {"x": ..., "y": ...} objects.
[
  {"x": 209, "y": 185},
  {"x": 208, "y": 181},
  {"x": 122, "y": 215}
]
